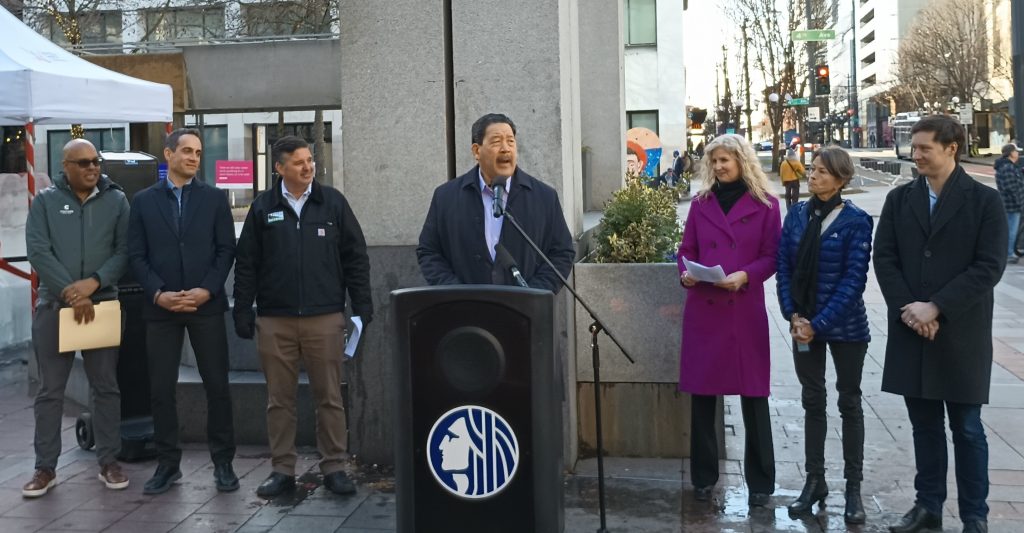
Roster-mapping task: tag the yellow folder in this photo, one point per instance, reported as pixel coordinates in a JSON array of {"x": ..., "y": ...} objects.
[{"x": 103, "y": 332}]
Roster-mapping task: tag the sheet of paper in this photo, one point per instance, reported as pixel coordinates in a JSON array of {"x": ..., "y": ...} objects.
[
  {"x": 704, "y": 273},
  {"x": 103, "y": 332},
  {"x": 353, "y": 336}
]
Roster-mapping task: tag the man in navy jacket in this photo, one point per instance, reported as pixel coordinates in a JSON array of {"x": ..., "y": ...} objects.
[
  {"x": 459, "y": 238},
  {"x": 181, "y": 243}
]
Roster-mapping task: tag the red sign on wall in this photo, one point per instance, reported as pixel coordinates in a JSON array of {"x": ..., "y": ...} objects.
[{"x": 234, "y": 174}]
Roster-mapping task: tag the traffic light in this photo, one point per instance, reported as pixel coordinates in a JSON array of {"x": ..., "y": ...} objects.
[
  {"x": 697, "y": 118},
  {"x": 821, "y": 83}
]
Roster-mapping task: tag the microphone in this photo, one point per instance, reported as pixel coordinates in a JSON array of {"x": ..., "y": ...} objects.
[
  {"x": 498, "y": 187},
  {"x": 503, "y": 258}
]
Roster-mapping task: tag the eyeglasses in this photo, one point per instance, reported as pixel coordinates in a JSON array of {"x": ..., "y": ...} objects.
[{"x": 86, "y": 163}]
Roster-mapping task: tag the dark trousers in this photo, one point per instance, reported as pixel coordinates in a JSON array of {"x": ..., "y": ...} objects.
[
  {"x": 210, "y": 343},
  {"x": 758, "y": 457},
  {"x": 792, "y": 192},
  {"x": 54, "y": 370},
  {"x": 970, "y": 453},
  {"x": 848, "y": 358}
]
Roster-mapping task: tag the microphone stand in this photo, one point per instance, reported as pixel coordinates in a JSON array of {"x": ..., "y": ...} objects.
[{"x": 596, "y": 327}]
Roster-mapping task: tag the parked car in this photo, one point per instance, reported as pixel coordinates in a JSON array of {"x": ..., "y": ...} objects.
[{"x": 764, "y": 146}]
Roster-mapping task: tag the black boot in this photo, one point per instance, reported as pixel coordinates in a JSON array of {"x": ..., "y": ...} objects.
[
  {"x": 815, "y": 490},
  {"x": 854, "y": 507}
]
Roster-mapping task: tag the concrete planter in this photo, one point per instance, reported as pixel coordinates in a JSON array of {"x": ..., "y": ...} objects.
[{"x": 642, "y": 412}]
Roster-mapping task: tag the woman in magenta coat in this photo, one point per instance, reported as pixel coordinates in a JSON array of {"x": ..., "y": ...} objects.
[{"x": 734, "y": 222}]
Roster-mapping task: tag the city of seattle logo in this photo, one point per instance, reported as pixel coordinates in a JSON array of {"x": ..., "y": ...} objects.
[{"x": 472, "y": 452}]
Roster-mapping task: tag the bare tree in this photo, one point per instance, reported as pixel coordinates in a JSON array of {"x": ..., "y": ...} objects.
[
  {"x": 945, "y": 53},
  {"x": 773, "y": 53}
]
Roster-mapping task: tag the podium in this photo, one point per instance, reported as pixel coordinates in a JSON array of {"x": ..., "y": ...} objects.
[{"x": 478, "y": 442}]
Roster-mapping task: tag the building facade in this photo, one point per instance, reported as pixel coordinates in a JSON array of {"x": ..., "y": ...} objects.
[{"x": 655, "y": 78}]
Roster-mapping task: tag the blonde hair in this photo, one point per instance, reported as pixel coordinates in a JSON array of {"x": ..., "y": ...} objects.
[{"x": 750, "y": 167}]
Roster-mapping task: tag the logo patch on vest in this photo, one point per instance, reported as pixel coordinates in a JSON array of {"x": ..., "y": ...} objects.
[
  {"x": 67, "y": 210},
  {"x": 276, "y": 216}
]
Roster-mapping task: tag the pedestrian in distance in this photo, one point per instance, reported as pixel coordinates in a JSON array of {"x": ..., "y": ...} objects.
[
  {"x": 301, "y": 252},
  {"x": 734, "y": 222},
  {"x": 823, "y": 263},
  {"x": 940, "y": 249},
  {"x": 791, "y": 173},
  {"x": 76, "y": 242},
  {"x": 1010, "y": 182},
  {"x": 181, "y": 243}
]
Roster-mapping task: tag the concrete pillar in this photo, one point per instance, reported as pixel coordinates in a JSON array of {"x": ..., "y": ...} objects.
[
  {"x": 517, "y": 58},
  {"x": 602, "y": 101},
  {"x": 395, "y": 154},
  {"x": 522, "y": 59}
]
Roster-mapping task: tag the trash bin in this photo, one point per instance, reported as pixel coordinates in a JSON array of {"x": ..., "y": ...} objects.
[{"x": 133, "y": 171}]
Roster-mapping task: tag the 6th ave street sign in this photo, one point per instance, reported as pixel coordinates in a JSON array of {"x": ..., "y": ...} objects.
[
  {"x": 813, "y": 35},
  {"x": 798, "y": 101}
]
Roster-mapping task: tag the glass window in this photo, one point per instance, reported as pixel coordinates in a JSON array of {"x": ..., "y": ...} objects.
[
  {"x": 185, "y": 24},
  {"x": 109, "y": 140},
  {"x": 287, "y": 18},
  {"x": 94, "y": 27},
  {"x": 215, "y": 148},
  {"x": 643, "y": 119},
  {"x": 641, "y": 22}
]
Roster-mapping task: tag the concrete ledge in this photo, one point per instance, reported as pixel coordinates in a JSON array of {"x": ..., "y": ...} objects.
[{"x": 248, "y": 406}]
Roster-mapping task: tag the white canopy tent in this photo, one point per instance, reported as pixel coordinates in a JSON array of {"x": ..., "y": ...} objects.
[{"x": 44, "y": 84}]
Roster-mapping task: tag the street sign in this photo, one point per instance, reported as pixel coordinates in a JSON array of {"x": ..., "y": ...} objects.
[
  {"x": 966, "y": 113},
  {"x": 798, "y": 101},
  {"x": 813, "y": 114},
  {"x": 813, "y": 35}
]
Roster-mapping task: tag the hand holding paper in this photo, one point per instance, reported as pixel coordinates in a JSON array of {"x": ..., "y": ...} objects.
[
  {"x": 700, "y": 272},
  {"x": 353, "y": 336}
]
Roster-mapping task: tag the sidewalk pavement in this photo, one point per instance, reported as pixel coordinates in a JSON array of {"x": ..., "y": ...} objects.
[{"x": 643, "y": 494}]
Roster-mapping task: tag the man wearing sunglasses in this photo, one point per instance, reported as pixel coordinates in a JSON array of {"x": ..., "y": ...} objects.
[
  {"x": 181, "y": 243},
  {"x": 75, "y": 236}
]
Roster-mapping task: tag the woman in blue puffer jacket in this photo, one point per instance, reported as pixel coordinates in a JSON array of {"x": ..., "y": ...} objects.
[{"x": 822, "y": 270}]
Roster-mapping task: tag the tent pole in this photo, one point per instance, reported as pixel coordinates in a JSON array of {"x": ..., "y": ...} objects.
[{"x": 30, "y": 171}]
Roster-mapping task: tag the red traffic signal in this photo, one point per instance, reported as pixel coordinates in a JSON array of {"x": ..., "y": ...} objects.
[{"x": 822, "y": 71}]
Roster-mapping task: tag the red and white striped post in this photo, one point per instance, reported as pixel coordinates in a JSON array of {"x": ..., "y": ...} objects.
[{"x": 30, "y": 171}]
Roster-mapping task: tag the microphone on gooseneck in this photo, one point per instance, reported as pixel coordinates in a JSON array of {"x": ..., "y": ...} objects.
[
  {"x": 505, "y": 260},
  {"x": 498, "y": 188}
]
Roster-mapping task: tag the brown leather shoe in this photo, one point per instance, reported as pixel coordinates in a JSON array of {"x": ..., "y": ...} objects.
[
  {"x": 112, "y": 477},
  {"x": 42, "y": 481}
]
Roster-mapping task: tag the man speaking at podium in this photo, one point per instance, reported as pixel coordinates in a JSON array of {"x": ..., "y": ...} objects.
[{"x": 465, "y": 238}]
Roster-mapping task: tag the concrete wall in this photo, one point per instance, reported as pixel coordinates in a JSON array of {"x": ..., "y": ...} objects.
[
  {"x": 519, "y": 59},
  {"x": 602, "y": 101}
]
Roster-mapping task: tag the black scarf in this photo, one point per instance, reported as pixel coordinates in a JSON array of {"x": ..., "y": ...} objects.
[
  {"x": 729, "y": 193},
  {"x": 805, "y": 275}
]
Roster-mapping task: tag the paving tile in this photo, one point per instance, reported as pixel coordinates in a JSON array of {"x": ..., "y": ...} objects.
[
  {"x": 154, "y": 511},
  {"x": 211, "y": 523},
  {"x": 80, "y": 519},
  {"x": 292, "y": 524}
]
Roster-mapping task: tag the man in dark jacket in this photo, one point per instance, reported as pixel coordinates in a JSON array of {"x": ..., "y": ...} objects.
[
  {"x": 181, "y": 242},
  {"x": 940, "y": 249},
  {"x": 460, "y": 237},
  {"x": 75, "y": 235},
  {"x": 1010, "y": 182},
  {"x": 300, "y": 251}
]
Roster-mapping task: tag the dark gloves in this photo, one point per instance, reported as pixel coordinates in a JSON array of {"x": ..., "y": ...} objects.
[{"x": 245, "y": 323}]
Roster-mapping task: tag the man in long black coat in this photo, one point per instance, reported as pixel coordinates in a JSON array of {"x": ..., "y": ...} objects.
[
  {"x": 459, "y": 240},
  {"x": 940, "y": 248}
]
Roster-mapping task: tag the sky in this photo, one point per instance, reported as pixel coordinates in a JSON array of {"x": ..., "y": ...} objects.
[{"x": 705, "y": 30}]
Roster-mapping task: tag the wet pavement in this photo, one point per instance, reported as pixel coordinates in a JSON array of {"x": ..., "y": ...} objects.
[{"x": 642, "y": 494}]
